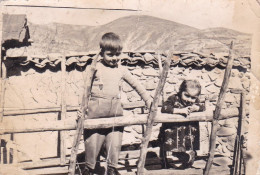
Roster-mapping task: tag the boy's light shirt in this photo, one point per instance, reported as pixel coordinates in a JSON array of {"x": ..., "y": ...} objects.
[{"x": 108, "y": 81}]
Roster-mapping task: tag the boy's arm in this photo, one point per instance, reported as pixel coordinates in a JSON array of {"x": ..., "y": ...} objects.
[
  {"x": 170, "y": 108},
  {"x": 200, "y": 105},
  {"x": 197, "y": 107},
  {"x": 168, "y": 105},
  {"x": 129, "y": 78}
]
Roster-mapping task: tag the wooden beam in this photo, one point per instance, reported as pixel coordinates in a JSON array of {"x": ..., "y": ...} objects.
[
  {"x": 151, "y": 117},
  {"x": 63, "y": 109},
  {"x": 175, "y": 172},
  {"x": 219, "y": 104},
  {"x": 2, "y": 82},
  {"x": 42, "y": 163},
  {"x": 24, "y": 111},
  {"x": 50, "y": 162},
  {"x": 12, "y": 126},
  {"x": 51, "y": 170}
]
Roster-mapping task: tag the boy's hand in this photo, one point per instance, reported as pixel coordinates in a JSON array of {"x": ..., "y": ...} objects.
[
  {"x": 79, "y": 114},
  {"x": 185, "y": 111},
  {"x": 194, "y": 108},
  {"x": 148, "y": 103}
]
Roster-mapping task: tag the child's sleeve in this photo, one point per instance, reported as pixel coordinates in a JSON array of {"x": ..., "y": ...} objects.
[
  {"x": 168, "y": 105},
  {"x": 201, "y": 106},
  {"x": 129, "y": 78}
]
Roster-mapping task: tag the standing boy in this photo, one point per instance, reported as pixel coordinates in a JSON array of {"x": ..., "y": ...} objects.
[{"x": 105, "y": 102}]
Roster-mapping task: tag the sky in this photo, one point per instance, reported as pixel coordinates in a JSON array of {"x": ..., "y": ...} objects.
[{"x": 234, "y": 14}]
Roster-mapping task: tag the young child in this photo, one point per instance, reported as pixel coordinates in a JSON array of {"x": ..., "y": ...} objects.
[
  {"x": 105, "y": 102},
  {"x": 181, "y": 139}
]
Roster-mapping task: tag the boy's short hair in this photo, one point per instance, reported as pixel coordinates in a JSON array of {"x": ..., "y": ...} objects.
[
  {"x": 110, "y": 42},
  {"x": 190, "y": 84}
]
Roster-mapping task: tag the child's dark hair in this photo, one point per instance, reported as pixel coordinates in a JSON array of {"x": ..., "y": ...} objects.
[
  {"x": 110, "y": 42},
  {"x": 190, "y": 84}
]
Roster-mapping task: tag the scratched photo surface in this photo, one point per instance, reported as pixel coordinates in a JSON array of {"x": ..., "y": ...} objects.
[{"x": 186, "y": 81}]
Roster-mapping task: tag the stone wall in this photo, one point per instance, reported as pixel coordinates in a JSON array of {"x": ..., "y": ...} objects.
[{"x": 37, "y": 88}]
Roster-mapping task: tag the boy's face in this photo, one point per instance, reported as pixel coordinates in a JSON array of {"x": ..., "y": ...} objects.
[
  {"x": 190, "y": 96},
  {"x": 111, "y": 58}
]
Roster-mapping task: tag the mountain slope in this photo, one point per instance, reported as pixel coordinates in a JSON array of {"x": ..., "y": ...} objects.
[{"x": 138, "y": 33}]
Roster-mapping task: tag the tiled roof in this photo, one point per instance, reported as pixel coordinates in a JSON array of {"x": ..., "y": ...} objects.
[{"x": 147, "y": 57}]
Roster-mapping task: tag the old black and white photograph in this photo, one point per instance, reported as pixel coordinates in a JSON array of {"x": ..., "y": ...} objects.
[{"x": 129, "y": 87}]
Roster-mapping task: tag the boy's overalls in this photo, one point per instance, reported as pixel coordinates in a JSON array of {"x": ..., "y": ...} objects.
[{"x": 105, "y": 102}]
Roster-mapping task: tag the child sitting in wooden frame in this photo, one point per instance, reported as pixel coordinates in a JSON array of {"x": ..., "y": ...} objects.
[{"x": 181, "y": 139}]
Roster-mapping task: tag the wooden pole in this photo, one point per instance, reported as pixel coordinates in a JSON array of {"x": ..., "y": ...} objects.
[
  {"x": 217, "y": 111},
  {"x": 160, "y": 72},
  {"x": 1, "y": 79},
  {"x": 80, "y": 124},
  {"x": 3, "y": 82},
  {"x": 63, "y": 110},
  {"x": 1, "y": 59},
  {"x": 159, "y": 63},
  {"x": 238, "y": 150},
  {"x": 151, "y": 118},
  {"x": 243, "y": 119},
  {"x": 2, "y": 71}
]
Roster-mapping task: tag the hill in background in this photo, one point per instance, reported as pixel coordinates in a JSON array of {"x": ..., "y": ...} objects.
[{"x": 139, "y": 33}]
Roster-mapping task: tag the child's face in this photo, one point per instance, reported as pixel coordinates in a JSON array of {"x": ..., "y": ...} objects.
[
  {"x": 111, "y": 58},
  {"x": 190, "y": 96}
]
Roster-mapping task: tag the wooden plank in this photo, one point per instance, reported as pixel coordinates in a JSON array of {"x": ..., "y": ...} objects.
[
  {"x": 175, "y": 172},
  {"x": 42, "y": 163},
  {"x": 63, "y": 110},
  {"x": 134, "y": 154},
  {"x": 190, "y": 171},
  {"x": 24, "y": 111},
  {"x": 4, "y": 152},
  {"x": 7, "y": 126},
  {"x": 51, "y": 170},
  {"x": 3, "y": 81},
  {"x": 51, "y": 162},
  {"x": 218, "y": 110},
  {"x": 151, "y": 117},
  {"x": 2, "y": 70},
  {"x": 1, "y": 154},
  {"x": 1, "y": 31}
]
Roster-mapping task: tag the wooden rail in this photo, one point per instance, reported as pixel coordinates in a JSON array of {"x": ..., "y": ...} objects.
[
  {"x": 25, "y": 111},
  {"x": 11, "y": 126}
]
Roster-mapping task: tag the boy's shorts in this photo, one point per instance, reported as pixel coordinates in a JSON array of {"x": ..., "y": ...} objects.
[{"x": 104, "y": 107}]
